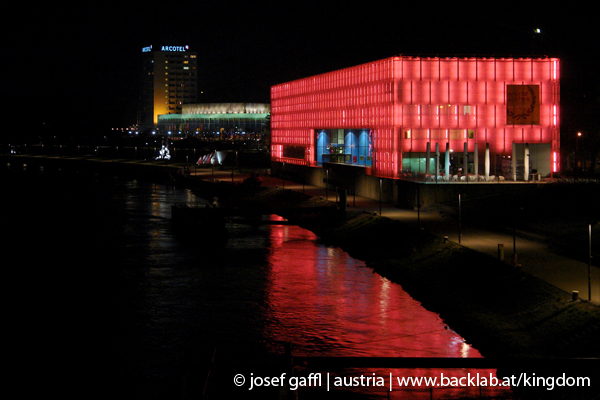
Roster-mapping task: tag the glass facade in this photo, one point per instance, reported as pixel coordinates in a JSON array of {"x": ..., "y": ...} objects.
[
  {"x": 216, "y": 119},
  {"x": 347, "y": 146},
  {"x": 470, "y": 108},
  {"x": 212, "y": 124}
]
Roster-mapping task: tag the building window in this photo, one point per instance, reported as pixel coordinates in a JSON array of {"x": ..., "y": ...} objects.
[
  {"x": 344, "y": 146},
  {"x": 293, "y": 152}
]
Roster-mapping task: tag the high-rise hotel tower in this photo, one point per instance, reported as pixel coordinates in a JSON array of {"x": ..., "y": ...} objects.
[{"x": 170, "y": 80}]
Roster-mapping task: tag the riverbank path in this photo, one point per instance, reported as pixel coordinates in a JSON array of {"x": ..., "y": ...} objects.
[{"x": 537, "y": 254}]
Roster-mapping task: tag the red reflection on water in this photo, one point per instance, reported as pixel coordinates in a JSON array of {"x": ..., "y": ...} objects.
[{"x": 328, "y": 304}]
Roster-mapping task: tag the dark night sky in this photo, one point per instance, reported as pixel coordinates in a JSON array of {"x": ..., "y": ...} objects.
[{"x": 90, "y": 54}]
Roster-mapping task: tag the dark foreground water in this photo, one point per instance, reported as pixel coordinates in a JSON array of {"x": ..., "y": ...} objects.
[{"x": 107, "y": 302}]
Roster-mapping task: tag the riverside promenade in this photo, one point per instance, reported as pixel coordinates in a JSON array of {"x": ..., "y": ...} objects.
[{"x": 537, "y": 254}]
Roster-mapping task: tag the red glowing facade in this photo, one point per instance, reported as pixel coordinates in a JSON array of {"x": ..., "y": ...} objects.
[{"x": 390, "y": 115}]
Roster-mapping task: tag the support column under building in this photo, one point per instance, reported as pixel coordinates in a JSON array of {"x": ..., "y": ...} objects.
[
  {"x": 514, "y": 162},
  {"x": 466, "y": 160},
  {"x": 526, "y": 162},
  {"x": 487, "y": 162},
  {"x": 427, "y": 157},
  {"x": 476, "y": 162},
  {"x": 437, "y": 161},
  {"x": 447, "y": 162}
]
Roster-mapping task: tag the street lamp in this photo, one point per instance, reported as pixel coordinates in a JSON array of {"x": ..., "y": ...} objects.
[
  {"x": 577, "y": 149},
  {"x": 459, "y": 218},
  {"x": 326, "y": 183},
  {"x": 419, "y": 206},
  {"x": 514, "y": 256},
  {"x": 380, "y": 190},
  {"x": 590, "y": 259},
  {"x": 590, "y": 262}
]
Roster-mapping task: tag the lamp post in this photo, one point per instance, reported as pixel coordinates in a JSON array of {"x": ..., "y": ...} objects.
[
  {"x": 418, "y": 206},
  {"x": 514, "y": 260},
  {"x": 590, "y": 262},
  {"x": 577, "y": 150},
  {"x": 232, "y": 169},
  {"x": 326, "y": 183},
  {"x": 459, "y": 217},
  {"x": 380, "y": 190}
]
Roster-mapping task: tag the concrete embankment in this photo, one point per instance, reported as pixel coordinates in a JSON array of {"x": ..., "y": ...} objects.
[{"x": 499, "y": 309}]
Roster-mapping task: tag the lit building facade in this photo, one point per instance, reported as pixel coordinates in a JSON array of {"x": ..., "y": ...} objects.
[
  {"x": 423, "y": 117},
  {"x": 216, "y": 119},
  {"x": 170, "y": 80}
]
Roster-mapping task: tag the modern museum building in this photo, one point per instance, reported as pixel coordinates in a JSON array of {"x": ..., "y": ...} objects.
[{"x": 421, "y": 119}]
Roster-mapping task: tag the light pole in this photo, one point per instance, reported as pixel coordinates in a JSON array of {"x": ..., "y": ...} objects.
[
  {"x": 577, "y": 150},
  {"x": 590, "y": 262},
  {"x": 232, "y": 169},
  {"x": 326, "y": 183},
  {"x": 515, "y": 241},
  {"x": 517, "y": 209},
  {"x": 577, "y": 160},
  {"x": 380, "y": 190},
  {"x": 419, "y": 206},
  {"x": 459, "y": 217}
]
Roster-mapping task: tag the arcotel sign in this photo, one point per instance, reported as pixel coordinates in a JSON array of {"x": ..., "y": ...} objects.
[
  {"x": 166, "y": 48},
  {"x": 174, "y": 48}
]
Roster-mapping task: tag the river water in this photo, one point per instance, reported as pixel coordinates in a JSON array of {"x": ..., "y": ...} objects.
[{"x": 109, "y": 302}]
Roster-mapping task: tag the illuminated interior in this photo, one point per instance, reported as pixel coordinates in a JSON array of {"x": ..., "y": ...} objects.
[
  {"x": 216, "y": 119},
  {"x": 407, "y": 105},
  {"x": 348, "y": 146}
]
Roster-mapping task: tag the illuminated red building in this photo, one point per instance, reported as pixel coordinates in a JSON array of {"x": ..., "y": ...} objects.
[{"x": 486, "y": 117}]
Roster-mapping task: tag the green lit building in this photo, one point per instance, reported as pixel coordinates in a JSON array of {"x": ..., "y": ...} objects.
[{"x": 215, "y": 119}]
